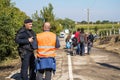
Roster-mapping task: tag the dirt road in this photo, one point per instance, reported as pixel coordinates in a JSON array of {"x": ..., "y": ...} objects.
[{"x": 99, "y": 65}]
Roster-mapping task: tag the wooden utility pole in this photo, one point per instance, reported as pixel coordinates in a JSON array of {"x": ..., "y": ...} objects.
[{"x": 88, "y": 18}]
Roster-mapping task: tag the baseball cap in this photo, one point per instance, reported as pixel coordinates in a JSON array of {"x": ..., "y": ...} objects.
[{"x": 28, "y": 21}]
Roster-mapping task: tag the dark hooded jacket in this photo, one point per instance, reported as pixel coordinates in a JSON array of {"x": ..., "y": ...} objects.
[{"x": 22, "y": 39}]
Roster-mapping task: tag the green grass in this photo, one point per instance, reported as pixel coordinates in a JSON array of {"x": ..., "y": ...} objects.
[
  {"x": 100, "y": 27},
  {"x": 9, "y": 61}
]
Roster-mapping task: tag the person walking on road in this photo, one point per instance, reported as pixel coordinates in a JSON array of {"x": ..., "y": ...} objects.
[
  {"x": 26, "y": 38},
  {"x": 91, "y": 37},
  {"x": 83, "y": 41},
  {"x": 73, "y": 44},
  {"x": 78, "y": 40},
  {"x": 68, "y": 43},
  {"x": 90, "y": 42},
  {"x": 47, "y": 44}
]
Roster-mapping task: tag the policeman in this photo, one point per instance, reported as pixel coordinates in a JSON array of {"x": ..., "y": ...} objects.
[
  {"x": 47, "y": 44},
  {"x": 26, "y": 38}
]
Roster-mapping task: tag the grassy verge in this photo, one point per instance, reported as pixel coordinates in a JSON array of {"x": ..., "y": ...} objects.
[
  {"x": 9, "y": 64},
  {"x": 92, "y": 27}
]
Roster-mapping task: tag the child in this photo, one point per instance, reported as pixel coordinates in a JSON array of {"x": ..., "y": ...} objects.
[{"x": 74, "y": 45}]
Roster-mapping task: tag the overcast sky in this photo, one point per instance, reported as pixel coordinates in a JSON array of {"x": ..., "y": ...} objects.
[{"x": 75, "y": 9}]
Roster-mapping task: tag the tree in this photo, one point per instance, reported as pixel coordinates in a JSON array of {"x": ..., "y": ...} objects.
[
  {"x": 98, "y": 22},
  {"x": 11, "y": 18},
  {"x": 84, "y": 22},
  {"x": 105, "y": 22},
  {"x": 38, "y": 22},
  {"x": 46, "y": 15},
  {"x": 67, "y": 23}
]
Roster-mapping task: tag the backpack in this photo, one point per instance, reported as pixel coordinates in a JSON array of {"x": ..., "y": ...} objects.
[
  {"x": 91, "y": 37},
  {"x": 68, "y": 45},
  {"x": 74, "y": 41},
  {"x": 82, "y": 37}
]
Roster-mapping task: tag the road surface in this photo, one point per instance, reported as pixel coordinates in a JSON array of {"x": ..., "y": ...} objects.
[{"x": 99, "y": 65}]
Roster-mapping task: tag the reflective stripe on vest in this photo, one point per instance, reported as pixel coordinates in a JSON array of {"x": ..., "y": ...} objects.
[
  {"x": 46, "y": 44},
  {"x": 50, "y": 52}
]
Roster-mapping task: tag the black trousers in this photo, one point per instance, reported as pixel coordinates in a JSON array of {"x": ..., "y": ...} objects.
[
  {"x": 28, "y": 62},
  {"x": 48, "y": 74}
]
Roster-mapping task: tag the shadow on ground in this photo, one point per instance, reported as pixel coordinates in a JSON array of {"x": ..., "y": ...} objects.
[
  {"x": 109, "y": 66},
  {"x": 16, "y": 76}
]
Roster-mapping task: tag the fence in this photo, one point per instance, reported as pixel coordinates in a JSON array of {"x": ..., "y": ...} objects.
[{"x": 108, "y": 32}]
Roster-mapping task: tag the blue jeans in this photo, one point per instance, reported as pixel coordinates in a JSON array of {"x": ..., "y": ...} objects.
[
  {"x": 78, "y": 48},
  {"x": 89, "y": 47},
  {"x": 82, "y": 47}
]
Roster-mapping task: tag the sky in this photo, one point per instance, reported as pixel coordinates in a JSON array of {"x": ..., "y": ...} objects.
[{"x": 75, "y": 9}]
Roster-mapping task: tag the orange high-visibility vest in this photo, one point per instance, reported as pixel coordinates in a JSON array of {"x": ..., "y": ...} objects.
[{"x": 46, "y": 44}]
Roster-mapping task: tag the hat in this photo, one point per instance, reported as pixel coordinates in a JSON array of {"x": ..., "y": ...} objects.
[{"x": 28, "y": 21}]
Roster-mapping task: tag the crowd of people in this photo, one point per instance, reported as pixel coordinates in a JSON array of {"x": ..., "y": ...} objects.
[
  {"x": 79, "y": 42},
  {"x": 38, "y": 51}
]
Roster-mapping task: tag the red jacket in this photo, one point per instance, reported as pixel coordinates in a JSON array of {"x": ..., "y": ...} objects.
[{"x": 77, "y": 35}]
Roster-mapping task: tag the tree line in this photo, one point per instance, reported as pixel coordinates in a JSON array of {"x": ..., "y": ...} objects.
[
  {"x": 47, "y": 14},
  {"x": 98, "y": 22},
  {"x": 11, "y": 19}
]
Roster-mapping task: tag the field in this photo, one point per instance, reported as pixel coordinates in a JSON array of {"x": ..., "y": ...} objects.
[{"x": 99, "y": 27}]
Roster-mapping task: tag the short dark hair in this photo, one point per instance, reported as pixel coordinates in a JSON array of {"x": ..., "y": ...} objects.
[
  {"x": 82, "y": 30},
  {"x": 74, "y": 32},
  {"x": 28, "y": 21},
  {"x": 78, "y": 29}
]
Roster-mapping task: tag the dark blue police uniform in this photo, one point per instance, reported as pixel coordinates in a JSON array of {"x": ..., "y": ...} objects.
[{"x": 26, "y": 52}]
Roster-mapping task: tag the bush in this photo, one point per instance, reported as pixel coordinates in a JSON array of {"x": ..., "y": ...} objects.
[{"x": 11, "y": 19}]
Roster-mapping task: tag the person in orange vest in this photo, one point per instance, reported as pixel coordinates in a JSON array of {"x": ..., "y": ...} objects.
[{"x": 47, "y": 44}]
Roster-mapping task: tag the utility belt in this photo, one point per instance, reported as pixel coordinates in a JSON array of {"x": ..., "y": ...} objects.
[
  {"x": 26, "y": 47},
  {"x": 23, "y": 51}
]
